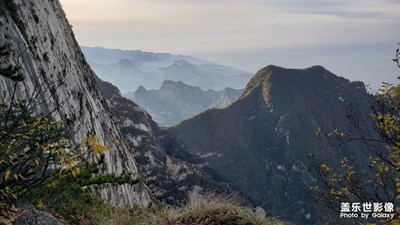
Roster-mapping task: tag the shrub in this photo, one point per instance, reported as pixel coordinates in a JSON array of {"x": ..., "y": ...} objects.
[
  {"x": 200, "y": 210},
  {"x": 375, "y": 180}
]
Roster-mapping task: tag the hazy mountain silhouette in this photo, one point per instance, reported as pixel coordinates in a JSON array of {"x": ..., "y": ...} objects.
[
  {"x": 176, "y": 101},
  {"x": 130, "y": 69}
]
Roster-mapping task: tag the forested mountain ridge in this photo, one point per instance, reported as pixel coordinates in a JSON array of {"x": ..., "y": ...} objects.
[{"x": 260, "y": 143}]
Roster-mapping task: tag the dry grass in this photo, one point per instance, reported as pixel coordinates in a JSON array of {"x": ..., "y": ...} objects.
[{"x": 201, "y": 210}]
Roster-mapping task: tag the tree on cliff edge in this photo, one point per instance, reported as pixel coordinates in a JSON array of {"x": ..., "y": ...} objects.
[{"x": 37, "y": 155}]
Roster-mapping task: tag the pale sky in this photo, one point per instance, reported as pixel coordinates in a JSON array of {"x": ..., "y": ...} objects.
[{"x": 352, "y": 38}]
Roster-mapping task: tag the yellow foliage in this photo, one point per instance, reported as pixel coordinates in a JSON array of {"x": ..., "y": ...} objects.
[
  {"x": 326, "y": 168},
  {"x": 397, "y": 189},
  {"x": 335, "y": 178},
  {"x": 350, "y": 175},
  {"x": 7, "y": 175},
  {"x": 92, "y": 144},
  {"x": 76, "y": 171},
  {"x": 37, "y": 161},
  {"x": 318, "y": 131}
]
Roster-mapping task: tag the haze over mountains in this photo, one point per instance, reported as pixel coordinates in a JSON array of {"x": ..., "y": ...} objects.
[
  {"x": 176, "y": 101},
  {"x": 130, "y": 69}
]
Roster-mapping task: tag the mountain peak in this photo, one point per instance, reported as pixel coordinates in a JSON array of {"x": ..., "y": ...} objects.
[
  {"x": 176, "y": 101},
  {"x": 262, "y": 77},
  {"x": 291, "y": 84},
  {"x": 317, "y": 68},
  {"x": 169, "y": 83},
  {"x": 140, "y": 89}
]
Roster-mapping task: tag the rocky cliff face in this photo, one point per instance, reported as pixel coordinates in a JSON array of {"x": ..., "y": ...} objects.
[
  {"x": 57, "y": 75},
  {"x": 169, "y": 179},
  {"x": 176, "y": 101},
  {"x": 260, "y": 143}
]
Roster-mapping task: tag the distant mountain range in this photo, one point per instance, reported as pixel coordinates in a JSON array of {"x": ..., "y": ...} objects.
[
  {"x": 176, "y": 101},
  {"x": 130, "y": 69},
  {"x": 260, "y": 143}
]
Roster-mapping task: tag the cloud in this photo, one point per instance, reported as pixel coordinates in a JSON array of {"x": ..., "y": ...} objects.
[
  {"x": 193, "y": 26},
  {"x": 341, "y": 8},
  {"x": 249, "y": 34}
]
